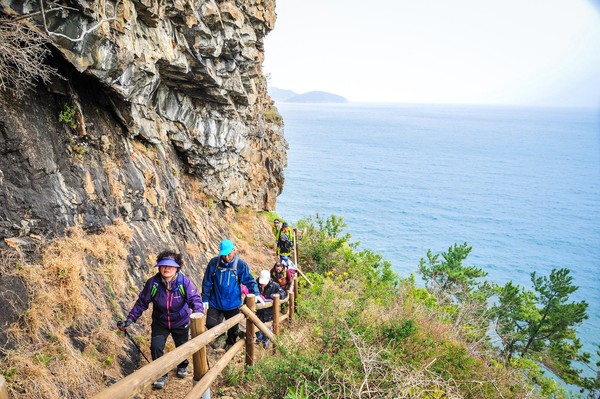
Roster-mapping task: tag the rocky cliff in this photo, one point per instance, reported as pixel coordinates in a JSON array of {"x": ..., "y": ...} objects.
[
  {"x": 162, "y": 93},
  {"x": 157, "y": 121}
]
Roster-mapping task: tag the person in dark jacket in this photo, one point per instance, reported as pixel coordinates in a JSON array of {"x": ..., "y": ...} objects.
[
  {"x": 222, "y": 288},
  {"x": 174, "y": 297},
  {"x": 285, "y": 245},
  {"x": 267, "y": 288}
]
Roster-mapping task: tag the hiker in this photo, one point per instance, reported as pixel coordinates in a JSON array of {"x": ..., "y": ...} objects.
[
  {"x": 281, "y": 228},
  {"x": 221, "y": 288},
  {"x": 174, "y": 297},
  {"x": 267, "y": 288},
  {"x": 284, "y": 246},
  {"x": 276, "y": 229},
  {"x": 285, "y": 229},
  {"x": 282, "y": 275}
]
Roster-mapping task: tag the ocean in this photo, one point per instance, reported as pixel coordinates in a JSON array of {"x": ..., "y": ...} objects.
[{"x": 520, "y": 185}]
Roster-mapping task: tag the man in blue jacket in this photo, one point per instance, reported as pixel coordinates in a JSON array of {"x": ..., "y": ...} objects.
[
  {"x": 221, "y": 288},
  {"x": 174, "y": 297}
]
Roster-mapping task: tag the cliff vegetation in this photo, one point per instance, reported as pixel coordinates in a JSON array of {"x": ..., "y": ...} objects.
[{"x": 366, "y": 332}]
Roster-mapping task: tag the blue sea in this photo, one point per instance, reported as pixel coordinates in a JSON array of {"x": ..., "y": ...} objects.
[{"x": 521, "y": 185}]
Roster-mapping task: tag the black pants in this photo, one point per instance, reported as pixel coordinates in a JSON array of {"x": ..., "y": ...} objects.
[
  {"x": 159, "y": 339},
  {"x": 215, "y": 317}
]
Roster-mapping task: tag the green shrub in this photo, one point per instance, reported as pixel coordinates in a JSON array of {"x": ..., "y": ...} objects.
[
  {"x": 363, "y": 328},
  {"x": 232, "y": 376},
  {"x": 399, "y": 331},
  {"x": 272, "y": 115},
  {"x": 68, "y": 115}
]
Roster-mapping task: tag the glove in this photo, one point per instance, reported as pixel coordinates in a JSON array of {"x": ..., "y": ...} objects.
[
  {"x": 260, "y": 299},
  {"x": 205, "y": 306},
  {"x": 122, "y": 325}
]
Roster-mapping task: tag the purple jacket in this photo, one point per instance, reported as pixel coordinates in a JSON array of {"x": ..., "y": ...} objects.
[{"x": 171, "y": 307}]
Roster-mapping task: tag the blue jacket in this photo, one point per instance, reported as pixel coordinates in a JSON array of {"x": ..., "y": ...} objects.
[
  {"x": 221, "y": 284},
  {"x": 171, "y": 307}
]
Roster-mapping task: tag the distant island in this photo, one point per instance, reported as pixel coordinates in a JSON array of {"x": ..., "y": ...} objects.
[{"x": 289, "y": 96}]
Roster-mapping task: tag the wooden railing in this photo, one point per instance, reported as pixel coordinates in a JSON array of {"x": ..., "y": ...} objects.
[
  {"x": 3, "y": 389},
  {"x": 203, "y": 376}
]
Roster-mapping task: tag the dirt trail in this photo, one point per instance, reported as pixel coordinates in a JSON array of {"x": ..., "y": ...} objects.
[{"x": 177, "y": 388}]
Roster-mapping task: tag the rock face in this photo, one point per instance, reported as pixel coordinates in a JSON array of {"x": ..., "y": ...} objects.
[{"x": 163, "y": 103}]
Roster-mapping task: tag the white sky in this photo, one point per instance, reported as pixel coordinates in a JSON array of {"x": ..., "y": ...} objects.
[{"x": 537, "y": 52}]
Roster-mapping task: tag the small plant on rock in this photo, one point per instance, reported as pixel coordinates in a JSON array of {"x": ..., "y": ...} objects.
[{"x": 68, "y": 115}]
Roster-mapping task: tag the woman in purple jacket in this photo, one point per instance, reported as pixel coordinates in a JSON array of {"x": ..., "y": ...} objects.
[{"x": 174, "y": 298}]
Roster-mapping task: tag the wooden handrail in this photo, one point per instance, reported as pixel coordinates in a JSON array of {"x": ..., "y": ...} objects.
[
  {"x": 276, "y": 308},
  {"x": 256, "y": 321},
  {"x": 197, "y": 327},
  {"x": 203, "y": 377},
  {"x": 214, "y": 372},
  {"x": 296, "y": 257},
  {"x": 3, "y": 389},
  {"x": 250, "y": 330},
  {"x": 136, "y": 382},
  {"x": 295, "y": 231}
]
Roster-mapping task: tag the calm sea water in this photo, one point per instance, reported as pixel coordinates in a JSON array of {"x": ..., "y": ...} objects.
[{"x": 521, "y": 185}]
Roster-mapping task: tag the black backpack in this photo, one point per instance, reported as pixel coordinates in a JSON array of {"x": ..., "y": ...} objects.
[{"x": 285, "y": 245}]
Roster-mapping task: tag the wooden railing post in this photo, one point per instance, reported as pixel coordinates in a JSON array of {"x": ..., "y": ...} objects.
[
  {"x": 213, "y": 373},
  {"x": 292, "y": 305},
  {"x": 198, "y": 326},
  {"x": 276, "y": 311},
  {"x": 250, "y": 330},
  {"x": 3, "y": 389},
  {"x": 295, "y": 246},
  {"x": 295, "y": 291}
]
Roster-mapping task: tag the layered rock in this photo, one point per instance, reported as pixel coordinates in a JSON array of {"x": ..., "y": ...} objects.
[{"x": 168, "y": 104}]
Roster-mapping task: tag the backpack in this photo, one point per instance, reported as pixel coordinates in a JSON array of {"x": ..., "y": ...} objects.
[
  {"x": 233, "y": 269},
  {"x": 156, "y": 286},
  {"x": 285, "y": 246}
]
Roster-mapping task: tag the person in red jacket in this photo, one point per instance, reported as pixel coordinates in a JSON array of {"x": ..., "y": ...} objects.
[{"x": 282, "y": 275}]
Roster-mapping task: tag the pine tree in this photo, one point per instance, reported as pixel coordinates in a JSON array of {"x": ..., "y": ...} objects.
[{"x": 541, "y": 323}]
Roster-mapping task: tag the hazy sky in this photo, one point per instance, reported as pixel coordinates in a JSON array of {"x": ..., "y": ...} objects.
[{"x": 544, "y": 52}]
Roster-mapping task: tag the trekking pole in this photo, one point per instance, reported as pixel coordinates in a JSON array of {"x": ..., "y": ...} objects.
[{"x": 136, "y": 345}]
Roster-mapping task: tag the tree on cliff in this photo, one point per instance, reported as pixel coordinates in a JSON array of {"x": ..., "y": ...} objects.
[
  {"x": 450, "y": 276},
  {"x": 542, "y": 322},
  {"x": 533, "y": 326},
  {"x": 22, "y": 55},
  {"x": 23, "y": 49},
  {"x": 463, "y": 298}
]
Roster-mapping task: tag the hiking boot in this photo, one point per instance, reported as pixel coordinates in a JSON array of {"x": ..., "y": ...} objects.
[
  {"x": 228, "y": 345},
  {"x": 160, "y": 383},
  {"x": 182, "y": 372},
  {"x": 219, "y": 342}
]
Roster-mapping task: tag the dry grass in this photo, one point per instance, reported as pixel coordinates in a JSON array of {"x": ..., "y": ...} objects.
[
  {"x": 65, "y": 343},
  {"x": 66, "y": 340},
  {"x": 250, "y": 232}
]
